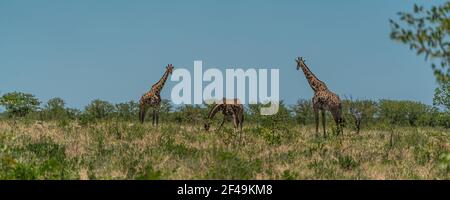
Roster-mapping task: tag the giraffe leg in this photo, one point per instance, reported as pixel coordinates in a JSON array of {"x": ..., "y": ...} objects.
[
  {"x": 221, "y": 124},
  {"x": 316, "y": 119},
  {"x": 142, "y": 113},
  {"x": 323, "y": 123},
  {"x": 157, "y": 116},
  {"x": 236, "y": 126},
  {"x": 235, "y": 121},
  {"x": 153, "y": 117},
  {"x": 337, "y": 120}
]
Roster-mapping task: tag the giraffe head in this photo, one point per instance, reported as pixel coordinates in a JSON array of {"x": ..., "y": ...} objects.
[
  {"x": 300, "y": 62},
  {"x": 207, "y": 126},
  {"x": 169, "y": 68}
]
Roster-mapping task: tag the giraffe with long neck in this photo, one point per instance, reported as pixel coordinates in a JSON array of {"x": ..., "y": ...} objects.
[
  {"x": 314, "y": 82},
  {"x": 229, "y": 107},
  {"x": 323, "y": 99},
  {"x": 152, "y": 98}
]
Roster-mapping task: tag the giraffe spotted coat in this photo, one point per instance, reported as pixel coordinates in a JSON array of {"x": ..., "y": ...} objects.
[{"x": 323, "y": 99}]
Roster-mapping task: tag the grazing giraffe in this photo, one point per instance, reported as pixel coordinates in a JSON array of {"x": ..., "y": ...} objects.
[
  {"x": 323, "y": 99},
  {"x": 152, "y": 99},
  {"x": 229, "y": 107}
]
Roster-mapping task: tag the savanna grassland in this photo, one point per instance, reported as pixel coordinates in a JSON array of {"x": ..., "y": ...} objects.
[{"x": 127, "y": 150}]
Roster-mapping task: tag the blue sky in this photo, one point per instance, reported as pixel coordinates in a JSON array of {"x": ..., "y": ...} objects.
[{"x": 115, "y": 50}]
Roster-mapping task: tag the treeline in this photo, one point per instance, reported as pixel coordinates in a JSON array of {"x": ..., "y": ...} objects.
[
  {"x": 388, "y": 112},
  {"x": 391, "y": 112}
]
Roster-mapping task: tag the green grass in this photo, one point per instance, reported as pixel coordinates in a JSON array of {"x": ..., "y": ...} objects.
[{"x": 124, "y": 150}]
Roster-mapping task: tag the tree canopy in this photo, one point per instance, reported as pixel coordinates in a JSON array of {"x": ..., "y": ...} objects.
[
  {"x": 18, "y": 104},
  {"x": 426, "y": 31}
]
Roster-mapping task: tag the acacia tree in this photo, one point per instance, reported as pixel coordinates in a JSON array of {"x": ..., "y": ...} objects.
[
  {"x": 18, "y": 104},
  {"x": 426, "y": 31}
]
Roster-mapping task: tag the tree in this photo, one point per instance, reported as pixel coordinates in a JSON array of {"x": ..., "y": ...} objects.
[
  {"x": 426, "y": 31},
  {"x": 55, "y": 108},
  {"x": 278, "y": 121},
  {"x": 166, "y": 106},
  {"x": 402, "y": 112},
  {"x": 73, "y": 113},
  {"x": 367, "y": 108},
  {"x": 99, "y": 109},
  {"x": 18, "y": 104},
  {"x": 193, "y": 114},
  {"x": 442, "y": 96},
  {"x": 303, "y": 110},
  {"x": 127, "y": 110}
]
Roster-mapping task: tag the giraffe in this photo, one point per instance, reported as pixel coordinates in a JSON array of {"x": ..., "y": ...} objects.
[
  {"x": 229, "y": 107},
  {"x": 152, "y": 98},
  {"x": 323, "y": 99}
]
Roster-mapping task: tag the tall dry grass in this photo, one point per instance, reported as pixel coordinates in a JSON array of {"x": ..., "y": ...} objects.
[{"x": 123, "y": 150}]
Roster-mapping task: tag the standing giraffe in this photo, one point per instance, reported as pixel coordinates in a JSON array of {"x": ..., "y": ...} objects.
[
  {"x": 152, "y": 99},
  {"x": 229, "y": 107},
  {"x": 323, "y": 99}
]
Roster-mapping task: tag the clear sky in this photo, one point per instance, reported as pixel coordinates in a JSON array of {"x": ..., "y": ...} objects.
[{"x": 115, "y": 50}]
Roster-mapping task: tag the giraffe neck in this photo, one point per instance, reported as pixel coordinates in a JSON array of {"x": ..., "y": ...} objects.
[
  {"x": 160, "y": 84},
  {"x": 213, "y": 111},
  {"x": 313, "y": 81}
]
